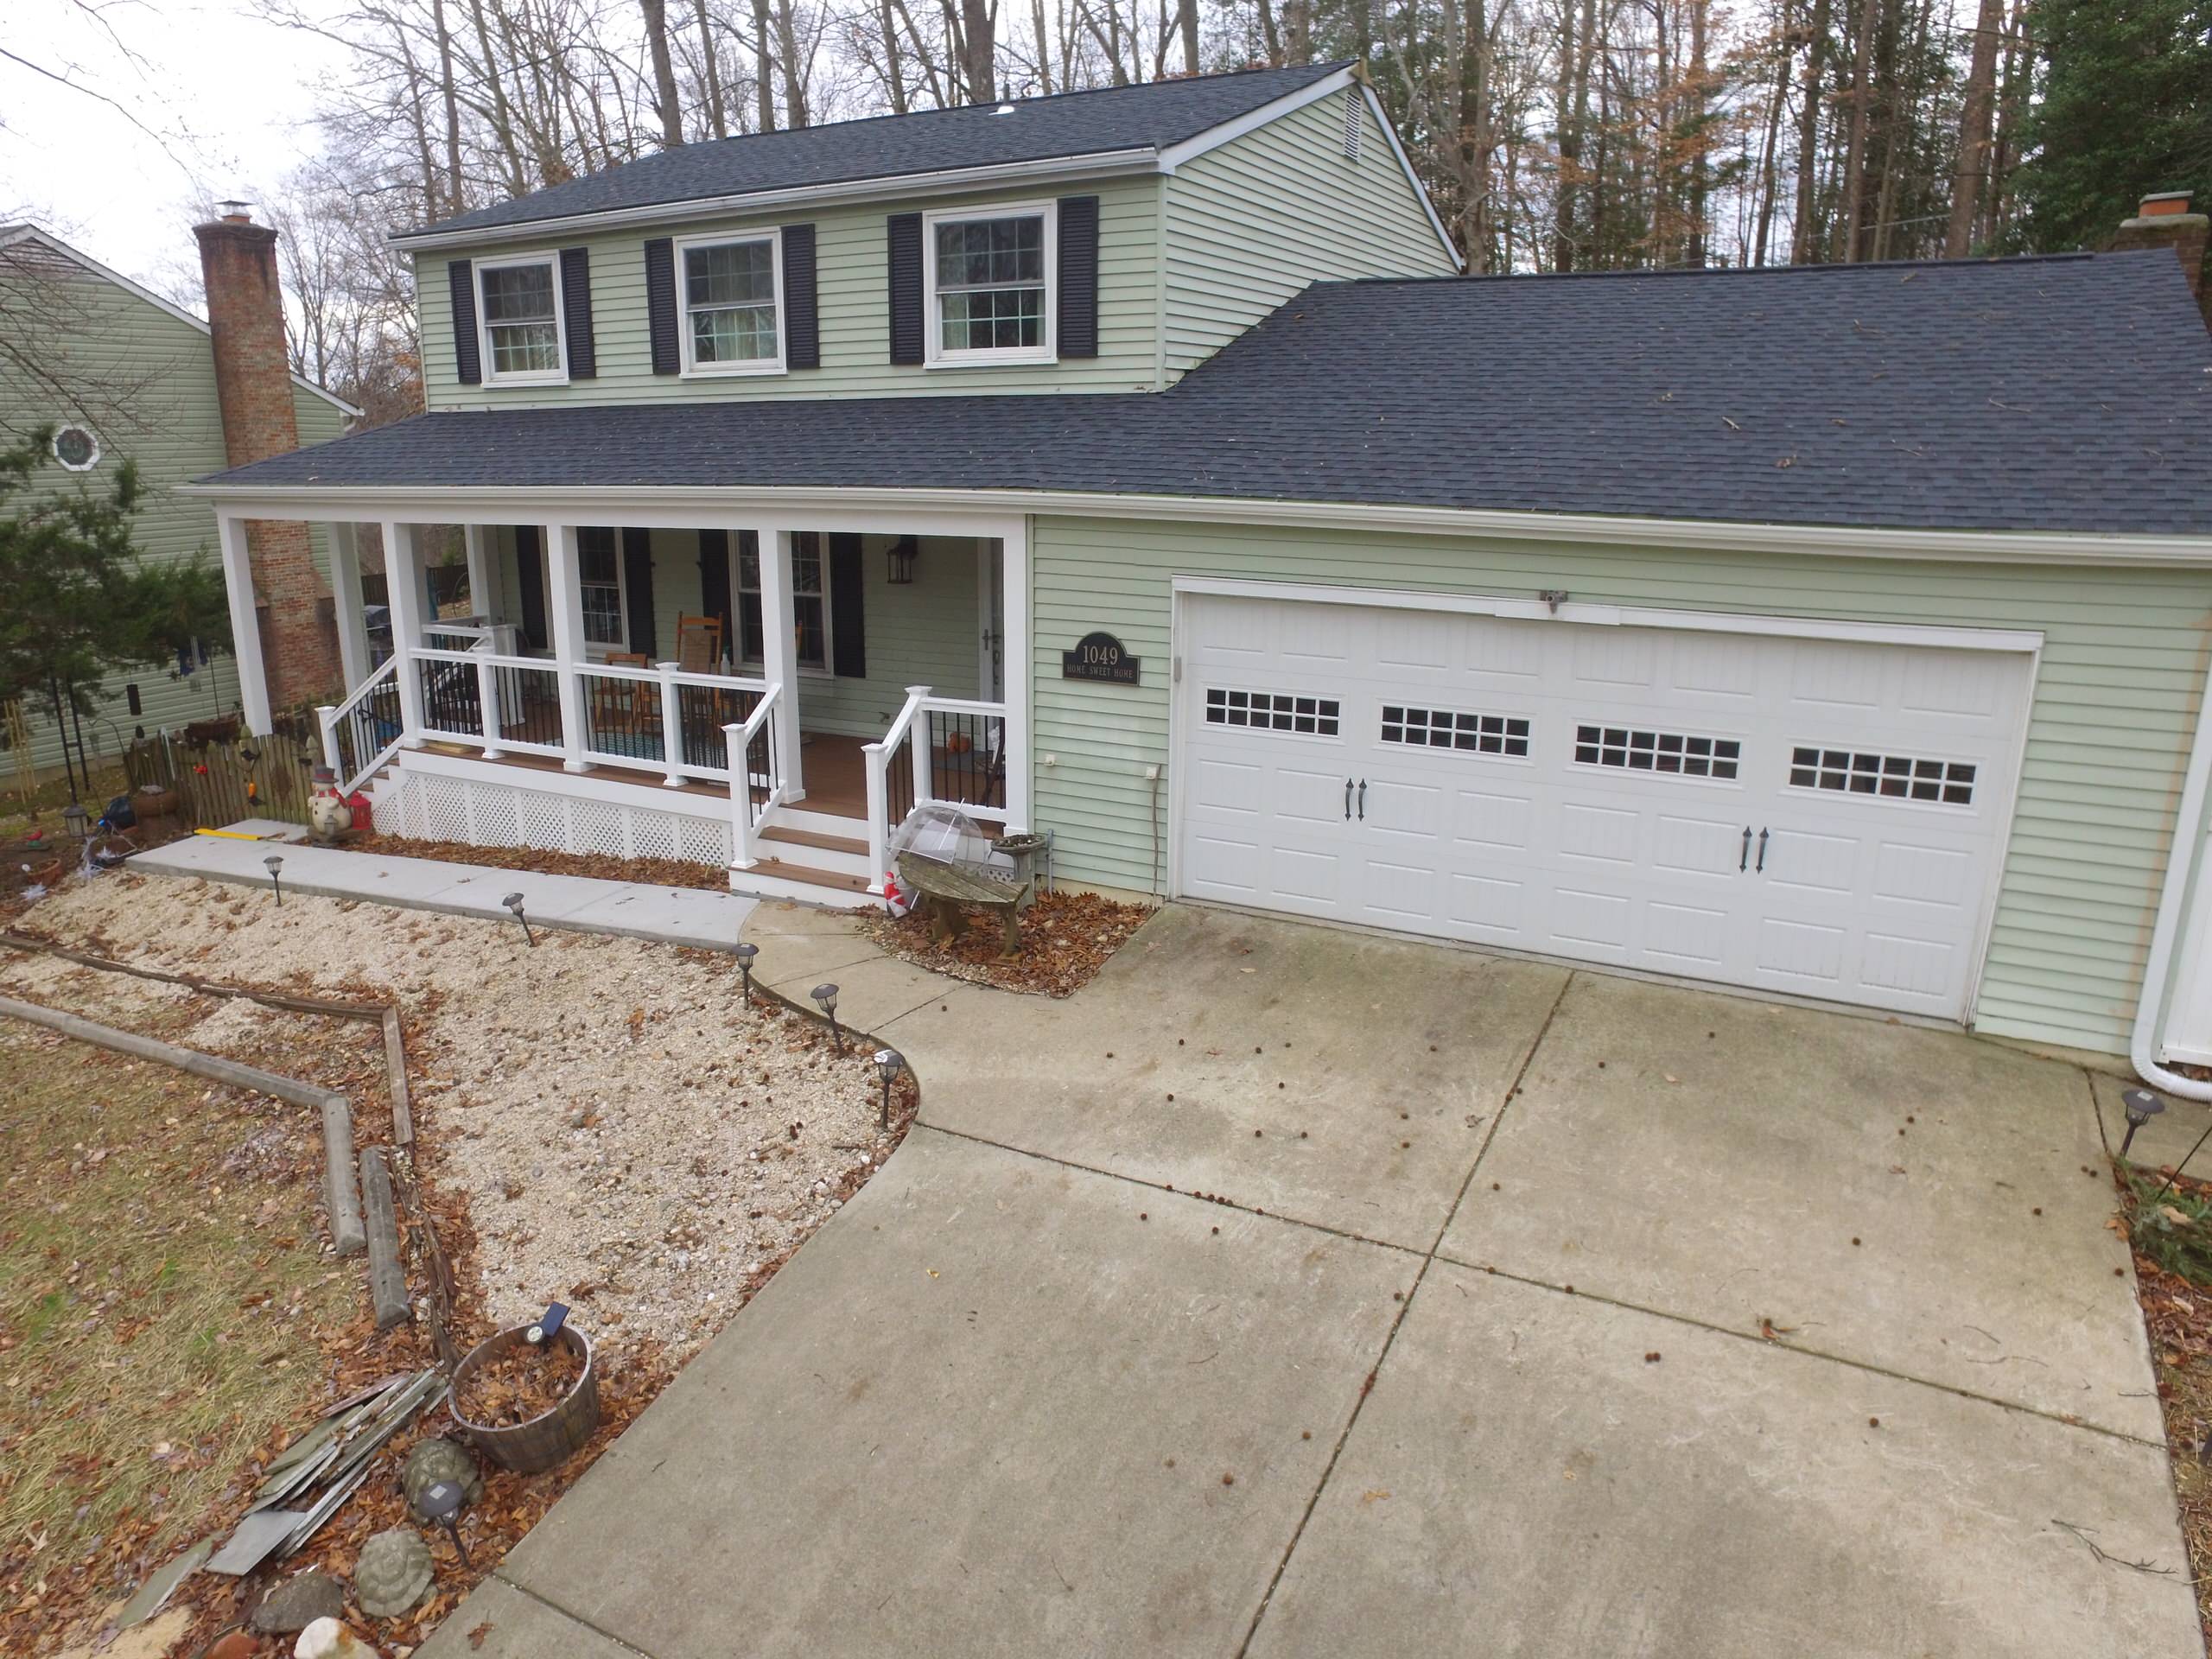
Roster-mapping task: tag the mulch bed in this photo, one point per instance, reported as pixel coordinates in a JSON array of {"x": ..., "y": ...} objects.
[
  {"x": 1066, "y": 938},
  {"x": 2178, "y": 1313},
  {"x": 654, "y": 872}
]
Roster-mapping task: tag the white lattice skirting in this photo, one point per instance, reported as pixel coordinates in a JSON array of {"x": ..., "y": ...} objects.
[{"x": 498, "y": 815}]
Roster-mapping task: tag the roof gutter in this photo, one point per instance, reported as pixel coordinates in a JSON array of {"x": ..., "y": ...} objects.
[
  {"x": 945, "y": 182},
  {"x": 335, "y": 501},
  {"x": 2165, "y": 931}
]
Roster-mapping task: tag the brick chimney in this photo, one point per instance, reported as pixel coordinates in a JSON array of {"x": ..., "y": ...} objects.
[
  {"x": 253, "y": 385},
  {"x": 2165, "y": 221}
]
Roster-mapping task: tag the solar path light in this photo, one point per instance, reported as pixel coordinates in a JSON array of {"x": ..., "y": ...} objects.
[
  {"x": 2141, "y": 1106},
  {"x": 889, "y": 1063},
  {"x": 745, "y": 955},
  {"x": 826, "y": 997},
  {"x": 514, "y": 902},
  {"x": 273, "y": 865}
]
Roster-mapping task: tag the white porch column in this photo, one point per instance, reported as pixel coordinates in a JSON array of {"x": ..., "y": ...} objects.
[
  {"x": 564, "y": 613},
  {"x": 402, "y": 581},
  {"x": 1015, "y": 580},
  {"x": 345, "y": 596},
  {"x": 485, "y": 594},
  {"x": 779, "y": 651},
  {"x": 245, "y": 622}
]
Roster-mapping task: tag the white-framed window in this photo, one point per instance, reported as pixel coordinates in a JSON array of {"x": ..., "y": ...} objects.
[
  {"x": 76, "y": 449},
  {"x": 732, "y": 289},
  {"x": 524, "y": 338},
  {"x": 988, "y": 285},
  {"x": 809, "y": 602},
  {"x": 598, "y": 572}
]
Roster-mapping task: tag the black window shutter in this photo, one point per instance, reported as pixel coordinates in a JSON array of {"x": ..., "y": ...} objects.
[
  {"x": 1078, "y": 284},
  {"x": 802, "y": 315},
  {"x": 575, "y": 312},
  {"x": 460, "y": 282},
  {"x": 713, "y": 583},
  {"x": 530, "y": 574},
  {"x": 638, "y": 589},
  {"x": 848, "y": 629},
  {"x": 660, "y": 304},
  {"x": 905, "y": 249}
]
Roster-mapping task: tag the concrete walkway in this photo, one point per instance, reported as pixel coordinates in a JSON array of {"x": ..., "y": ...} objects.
[
  {"x": 696, "y": 916},
  {"x": 1292, "y": 1293}
]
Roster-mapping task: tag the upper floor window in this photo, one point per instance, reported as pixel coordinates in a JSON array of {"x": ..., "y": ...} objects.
[
  {"x": 989, "y": 297},
  {"x": 519, "y": 300},
  {"x": 733, "y": 305}
]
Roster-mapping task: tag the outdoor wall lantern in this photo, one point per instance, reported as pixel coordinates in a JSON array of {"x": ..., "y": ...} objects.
[
  {"x": 889, "y": 1063},
  {"x": 273, "y": 864},
  {"x": 2140, "y": 1106},
  {"x": 902, "y": 554},
  {"x": 826, "y": 996},
  {"x": 745, "y": 955},
  {"x": 514, "y": 902}
]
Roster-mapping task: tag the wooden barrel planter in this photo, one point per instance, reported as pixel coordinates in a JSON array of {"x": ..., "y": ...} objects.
[{"x": 546, "y": 1439}]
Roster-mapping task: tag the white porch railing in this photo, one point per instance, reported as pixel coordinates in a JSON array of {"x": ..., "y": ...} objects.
[
  {"x": 658, "y": 718},
  {"x": 954, "y": 750},
  {"x": 363, "y": 732},
  {"x": 756, "y": 776}
]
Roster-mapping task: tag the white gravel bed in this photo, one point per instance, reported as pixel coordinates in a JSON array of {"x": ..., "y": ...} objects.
[{"x": 629, "y": 1139}]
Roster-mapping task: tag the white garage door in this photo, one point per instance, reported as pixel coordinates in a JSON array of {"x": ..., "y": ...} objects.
[{"x": 1812, "y": 816}]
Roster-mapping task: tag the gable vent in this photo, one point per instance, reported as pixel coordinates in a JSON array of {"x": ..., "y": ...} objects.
[{"x": 1352, "y": 101}]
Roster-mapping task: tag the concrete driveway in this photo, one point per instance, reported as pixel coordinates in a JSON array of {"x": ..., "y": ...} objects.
[{"x": 1290, "y": 1291}]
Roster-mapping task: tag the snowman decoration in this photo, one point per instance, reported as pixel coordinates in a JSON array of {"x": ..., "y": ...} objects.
[{"x": 329, "y": 818}]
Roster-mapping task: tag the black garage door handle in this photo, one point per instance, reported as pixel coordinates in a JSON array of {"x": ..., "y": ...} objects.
[
  {"x": 1363, "y": 800},
  {"x": 1761, "y": 868},
  {"x": 1348, "y": 803},
  {"x": 1744, "y": 862}
]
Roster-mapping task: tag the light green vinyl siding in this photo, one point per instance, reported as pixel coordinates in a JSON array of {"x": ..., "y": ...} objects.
[
  {"x": 2114, "y": 708},
  {"x": 923, "y": 632},
  {"x": 161, "y": 369},
  {"x": 1251, "y": 223},
  {"x": 853, "y": 294}
]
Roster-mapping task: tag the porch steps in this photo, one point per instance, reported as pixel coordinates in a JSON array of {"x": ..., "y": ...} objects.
[{"x": 844, "y": 855}]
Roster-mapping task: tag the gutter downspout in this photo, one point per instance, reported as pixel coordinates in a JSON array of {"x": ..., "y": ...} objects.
[{"x": 2189, "y": 828}]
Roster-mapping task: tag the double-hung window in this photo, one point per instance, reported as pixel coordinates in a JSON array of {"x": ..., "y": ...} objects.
[
  {"x": 810, "y": 604},
  {"x": 990, "y": 285},
  {"x": 733, "y": 304},
  {"x": 519, "y": 303},
  {"x": 598, "y": 572}
]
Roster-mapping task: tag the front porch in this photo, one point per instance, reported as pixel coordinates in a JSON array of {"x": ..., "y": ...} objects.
[{"x": 775, "y": 699}]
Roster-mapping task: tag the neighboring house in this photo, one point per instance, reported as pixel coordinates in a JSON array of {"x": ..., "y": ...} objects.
[
  {"x": 123, "y": 374},
  {"x": 1839, "y": 631}
]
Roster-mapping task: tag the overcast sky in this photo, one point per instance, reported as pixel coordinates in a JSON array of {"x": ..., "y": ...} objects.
[{"x": 219, "y": 103}]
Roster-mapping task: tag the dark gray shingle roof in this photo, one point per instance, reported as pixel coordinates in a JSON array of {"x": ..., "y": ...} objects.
[
  {"x": 1152, "y": 116},
  {"x": 2070, "y": 393}
]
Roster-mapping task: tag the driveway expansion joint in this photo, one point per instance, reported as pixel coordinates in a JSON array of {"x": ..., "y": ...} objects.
[{"x": 559, "y": 1612}]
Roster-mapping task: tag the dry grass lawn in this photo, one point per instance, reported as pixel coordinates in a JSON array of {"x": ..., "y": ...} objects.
[{"x": 162, "y": 1285}]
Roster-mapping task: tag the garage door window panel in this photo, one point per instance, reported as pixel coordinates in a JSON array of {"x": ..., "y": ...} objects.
[
  {"x": 1892, "y": 777},
  {"x": 1273, "y": 711},
  {"x": 1505, "y": 736},
  {"x": 1681, "y": 754}
]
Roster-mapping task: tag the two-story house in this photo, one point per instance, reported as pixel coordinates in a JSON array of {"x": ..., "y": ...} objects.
[{"x": 1136, "y": 465}]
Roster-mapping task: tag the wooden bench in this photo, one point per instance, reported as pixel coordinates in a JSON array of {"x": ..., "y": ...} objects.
[{"x": 946, "y": 889}]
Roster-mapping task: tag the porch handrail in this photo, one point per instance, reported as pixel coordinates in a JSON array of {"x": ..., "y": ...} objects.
[
  {"x": 877, "y": 756},
  {"x": 745, "y": 817},
  {"x": 350, "y": 710}
]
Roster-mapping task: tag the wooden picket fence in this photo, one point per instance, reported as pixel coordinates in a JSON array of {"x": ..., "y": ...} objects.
[{"x": 221, "y": 778}]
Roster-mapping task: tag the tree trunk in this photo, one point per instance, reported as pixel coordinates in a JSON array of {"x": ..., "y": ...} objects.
[
  {"x": 1270, "y": 35},
  {"x": 1186, "y": 24},
  {"x": 1803, "y": 244},
  {"x": 978, "y": 68},
  {"x": 452, "y": 104},
  {"x": 1701, "y": 94},
  {"x": 1996, "y": 210},
  {"x": 664, "y": 102},
  {"x": 718, "y": 113},
  {"x": 1975, "y": 130},
  {"x": 795, "y": 109},
  {"x": 1772, "y": 143},
  {"x": 1854, "y": 162},
  {"x": 764, "y": 61},
  {"x": 1570, "y": 143}
]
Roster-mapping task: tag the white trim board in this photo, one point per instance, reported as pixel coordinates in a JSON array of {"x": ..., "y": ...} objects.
[
  {"x": 1535, "y": 610},
  {"x": 877, "y": 508},
  {"x": 11, "y": 235}
]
